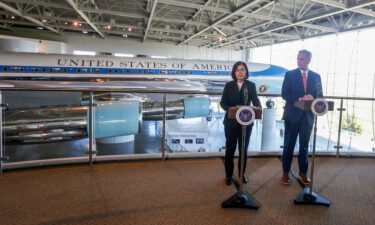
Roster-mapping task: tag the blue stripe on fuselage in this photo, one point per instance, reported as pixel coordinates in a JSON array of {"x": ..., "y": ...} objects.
[{"x": 271, "y": 71}]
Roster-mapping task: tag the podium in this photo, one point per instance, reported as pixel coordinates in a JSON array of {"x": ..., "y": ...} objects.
[
  {"x": 318, "y": 107},
  {"x": 233, "y": 111},
  {"x": 306, "y": 105},
  {"x": 241, "y": 199}
]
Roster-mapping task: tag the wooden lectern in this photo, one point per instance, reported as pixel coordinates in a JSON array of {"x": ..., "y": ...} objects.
[
  {"x": 306, "y": 105},
  {"x": 233, "y": 110}
]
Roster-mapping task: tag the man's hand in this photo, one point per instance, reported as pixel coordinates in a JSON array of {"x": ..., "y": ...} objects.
[{"x": 307, "y": 97}]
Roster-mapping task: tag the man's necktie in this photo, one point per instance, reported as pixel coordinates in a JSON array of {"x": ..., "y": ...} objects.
[{"x": 304, "y": 79}]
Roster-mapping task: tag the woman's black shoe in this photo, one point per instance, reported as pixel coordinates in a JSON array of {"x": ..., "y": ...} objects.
[
  {"x": 245, "y": 180},
  {"x": 228, "y": 181}
]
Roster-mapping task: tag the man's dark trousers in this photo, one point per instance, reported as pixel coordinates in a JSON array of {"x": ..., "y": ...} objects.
[{"x": 292, "y": 130}]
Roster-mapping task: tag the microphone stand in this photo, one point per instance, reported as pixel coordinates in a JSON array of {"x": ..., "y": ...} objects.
[
  {"x": 307, "y": 196},
  {"x": 241, "y": 199}
]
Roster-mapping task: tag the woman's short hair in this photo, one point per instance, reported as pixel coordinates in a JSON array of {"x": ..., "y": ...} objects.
[{"x": 235, "y": 68}]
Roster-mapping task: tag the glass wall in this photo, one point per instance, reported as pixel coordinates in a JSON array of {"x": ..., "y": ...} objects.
[{"x": 59, "y": 130}]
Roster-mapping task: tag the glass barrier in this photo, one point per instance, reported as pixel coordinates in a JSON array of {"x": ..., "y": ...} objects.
[
  {"x": 40, "y": 125},
  {"x": 357, "y": 129}
]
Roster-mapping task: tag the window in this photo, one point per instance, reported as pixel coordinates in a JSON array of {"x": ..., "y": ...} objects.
[
  {"x": 123, "y": 55},
  {"x": 188, "y": 141},
  {"x": 175, "y": 141},
  {"x": 199, "y": 141},
  {"x": 158, "y": 57},
  {"x": 83, "y": 53}
]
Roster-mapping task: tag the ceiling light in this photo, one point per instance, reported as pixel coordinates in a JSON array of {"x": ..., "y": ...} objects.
[
  {"x": 44, "y": 20},
  {"x": 13, "y": 17},
  {"x": 75, "y": 24},
  {"x": 130, "y": 29},
  {"x": 85, "y": 32},
  {"x": 39, "y": 28}
]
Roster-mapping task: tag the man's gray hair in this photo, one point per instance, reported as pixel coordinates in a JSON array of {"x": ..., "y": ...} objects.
[{"x": 306, "y": 52}]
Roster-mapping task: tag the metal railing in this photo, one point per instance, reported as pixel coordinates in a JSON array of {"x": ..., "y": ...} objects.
[{"x": 91, "y": 152}]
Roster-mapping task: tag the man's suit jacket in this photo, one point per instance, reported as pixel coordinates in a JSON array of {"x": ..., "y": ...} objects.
[
  {"x": 293, "y": 89},
  {"x": 233, "y": 97}
]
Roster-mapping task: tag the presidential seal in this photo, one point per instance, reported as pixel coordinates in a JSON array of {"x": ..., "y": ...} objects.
[
  {"x": 262, "y": 88},
  {"x": 245, "y": 115},
  {"x": 319, "y": 107}
]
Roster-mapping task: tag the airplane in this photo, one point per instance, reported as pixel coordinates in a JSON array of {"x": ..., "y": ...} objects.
[
  {"x": 203, "y": 75},
  {"x": 40, "y": 123}
]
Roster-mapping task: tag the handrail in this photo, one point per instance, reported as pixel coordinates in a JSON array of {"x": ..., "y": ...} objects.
[
  {"x": 4, "y": 87},
  {"x": 147, "y": 91}
]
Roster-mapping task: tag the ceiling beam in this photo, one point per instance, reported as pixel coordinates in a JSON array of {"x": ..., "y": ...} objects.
[
  {"x": 253, "y": 15},
  {"x": 223, "y": 18},
  {"x": 190, "y": 22},
  {"x": 20, "y": 14},
  {"x": 341, "y": 5},
  {"x": 306, "y": 19},
  {"x": 83, "y": 15},
  {"x": 197, "y": 12},
  {"x": 150, "y": 19}
]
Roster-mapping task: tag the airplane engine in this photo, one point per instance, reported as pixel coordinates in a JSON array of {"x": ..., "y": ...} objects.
[{"x": 111, "y": 119}]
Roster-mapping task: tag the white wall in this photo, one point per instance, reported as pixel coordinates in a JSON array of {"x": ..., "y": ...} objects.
[
  {"x": 17, "y": 44},
  {"x": 129, "y": 46},
  {"x": 51, "y": 47},
  {"x": 76, "y": 41}
]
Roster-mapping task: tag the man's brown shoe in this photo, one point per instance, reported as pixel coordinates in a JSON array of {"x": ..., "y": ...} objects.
[
  {"x": 285, "y": 179},
  {"x": 304, "y": 179}
]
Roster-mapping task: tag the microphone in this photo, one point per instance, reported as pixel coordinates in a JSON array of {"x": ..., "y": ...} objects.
[{"x": 245, "y": 94}]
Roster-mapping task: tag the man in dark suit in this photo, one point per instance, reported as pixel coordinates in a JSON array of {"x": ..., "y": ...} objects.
[{"x": 299, "y": 84}]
